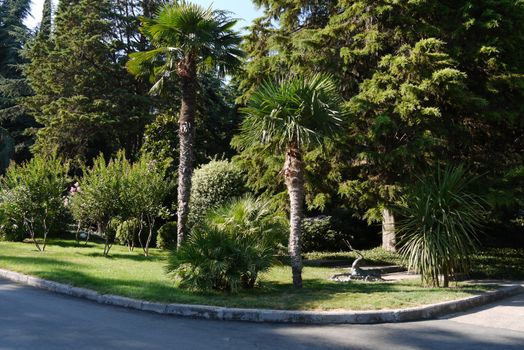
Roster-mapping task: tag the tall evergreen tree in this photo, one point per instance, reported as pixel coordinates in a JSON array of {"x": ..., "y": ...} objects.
[
  {"x": 14, "y": 122},
  {"x": 449, "y": 99},
  {"x": 84, "y": 98}
]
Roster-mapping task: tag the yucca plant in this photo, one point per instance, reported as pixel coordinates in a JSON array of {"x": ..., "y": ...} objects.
[{"x": 442, "y": 220}]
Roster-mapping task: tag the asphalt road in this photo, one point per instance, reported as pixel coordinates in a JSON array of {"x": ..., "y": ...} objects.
[{"x": 35, "y": 319}]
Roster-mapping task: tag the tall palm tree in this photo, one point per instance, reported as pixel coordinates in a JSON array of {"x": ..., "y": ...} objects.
[
  {"x": 186, "y": 38},
  {"x": 291, "y": 116}
]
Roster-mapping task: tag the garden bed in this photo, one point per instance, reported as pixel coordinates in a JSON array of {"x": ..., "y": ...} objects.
[{"x": 133, "y": 275}]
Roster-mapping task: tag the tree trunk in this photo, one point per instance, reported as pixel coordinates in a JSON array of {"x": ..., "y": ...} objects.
[
  {"x": 294, "y": 176},
  {"x": 388, "y": 231},
  {"x": 186, "y": 134}
]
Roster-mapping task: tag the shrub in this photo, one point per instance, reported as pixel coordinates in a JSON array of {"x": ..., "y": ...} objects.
[
  {"x": 127, "y": 232},
  {"x": 119, "y": 190},
  {"x": 147, "y": 189},
  {"x": 213, "y": 184},
  {"x": 236, "y": 243},
  {"x": 167, "y": 236},
  {"x": 99, "y": 198},
  {"x": 439, "y": 231},
  {"x": 32, "y": 198},
  {"x": 318, "y": 235}
]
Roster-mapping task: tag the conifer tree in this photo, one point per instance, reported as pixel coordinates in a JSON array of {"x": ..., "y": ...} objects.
[
  {"x": 470, "y": 78},
  {"x": 14, "y": 122},
  {"x": 84, "y": 99}
]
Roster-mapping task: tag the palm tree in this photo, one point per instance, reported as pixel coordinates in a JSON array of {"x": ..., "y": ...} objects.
[
  {"x": 291, "y": 116},
  {"x": 186, "y": 38}
]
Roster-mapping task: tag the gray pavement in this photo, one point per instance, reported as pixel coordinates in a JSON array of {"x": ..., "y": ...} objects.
[{"x": 35, "y": 319}]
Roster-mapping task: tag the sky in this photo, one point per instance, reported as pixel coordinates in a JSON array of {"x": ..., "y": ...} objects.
[{"x": 244, "y": 10}]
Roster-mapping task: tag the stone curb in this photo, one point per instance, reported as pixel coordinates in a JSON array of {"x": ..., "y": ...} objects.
[{"x": 277, "y": 316}]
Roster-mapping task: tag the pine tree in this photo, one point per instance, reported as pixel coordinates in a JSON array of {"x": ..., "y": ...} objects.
[
  {"x": 85, "y": 100},
  {"x": 456, "y": 102},
  {"x": 14, "y": 122}
]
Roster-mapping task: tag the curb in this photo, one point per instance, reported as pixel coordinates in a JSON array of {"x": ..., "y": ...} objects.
[{"x": 275, "y": 316}]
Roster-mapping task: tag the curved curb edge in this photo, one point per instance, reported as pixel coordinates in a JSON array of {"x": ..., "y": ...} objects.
[{"x": 277, "y": 316}]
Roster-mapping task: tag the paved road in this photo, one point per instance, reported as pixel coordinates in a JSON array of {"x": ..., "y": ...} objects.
[{"x": 36, "y": 319}]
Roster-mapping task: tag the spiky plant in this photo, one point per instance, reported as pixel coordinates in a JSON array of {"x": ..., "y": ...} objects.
[
  {"x": 234, "y": 244},
  {"x": 440, "y": 227}
]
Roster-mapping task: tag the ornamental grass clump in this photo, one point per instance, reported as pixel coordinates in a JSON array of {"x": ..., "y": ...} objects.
[
  {"x": 229, "y": 250},
  {"x": 440, "y": 227}
]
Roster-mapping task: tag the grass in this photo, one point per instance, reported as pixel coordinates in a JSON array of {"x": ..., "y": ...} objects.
[
  {"x": 135, "y": 276},
  {"x": 499, "y": 263},
  {"x": 373, "y": 257}
]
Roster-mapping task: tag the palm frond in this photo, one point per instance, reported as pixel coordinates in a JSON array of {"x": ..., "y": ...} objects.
[{"x": 302, "y": 111}]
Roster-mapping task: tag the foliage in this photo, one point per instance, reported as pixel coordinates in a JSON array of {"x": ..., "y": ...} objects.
[
  {"x": 498, "y": 263},
  {"x": 127, "y": 232},
  {"x": 166, "y": 237},
  {"x": 103, "y": 196},
  {"x": 14, "y": 120},
  {"x": 442, "y": 219},
  {"x": 433, "y": 80},
  {"x": 230, "y": 250},
  {"x": 84, "y": 99},
  {"x": 213, "y": 184},
  {"x": 32, "y": 197},
  {"x": 319, "y": 235},
  {"x": 122, "y": 191}
]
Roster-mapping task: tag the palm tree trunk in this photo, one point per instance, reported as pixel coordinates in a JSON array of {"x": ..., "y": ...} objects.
[
  {"x": 389, "y": 240},
  {"x": 294, "y": 176},
  {"x": 186, "y": 134}
]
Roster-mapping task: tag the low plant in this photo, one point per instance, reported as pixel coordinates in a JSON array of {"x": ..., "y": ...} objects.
[
  {"x": 213, "y": 184},
  {"x": 237, "y": 242},
  {"x": 167, "y": 236},
  {"x": 441, "y": 223},
  {"x": 127, "y": 232}
]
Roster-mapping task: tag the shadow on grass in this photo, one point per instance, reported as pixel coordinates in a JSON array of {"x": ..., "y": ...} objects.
[
  {"x": 272, "y": 295},
  {"x": 134, "y": 256}
]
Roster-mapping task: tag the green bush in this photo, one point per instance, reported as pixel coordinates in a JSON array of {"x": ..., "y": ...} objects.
[
  {"x": 127, "y": 232},
  {"x": 318, "y": 234},
  {"x": 32, "y": 198},
  {"x": 119, "y": 190},
  {"x": 167, "y": 236},
  {"x": 213, "y": 184},
  {"x": 100, "y": 197},
  {"x": 237, "y": 242},
  {"x": 439, "y": 231}
]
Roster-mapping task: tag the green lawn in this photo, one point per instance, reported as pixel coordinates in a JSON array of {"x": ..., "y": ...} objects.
[{"x": 133, "y": 275}]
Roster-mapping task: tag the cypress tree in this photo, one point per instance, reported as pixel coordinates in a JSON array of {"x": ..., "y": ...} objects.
[
  {"x": 84, "y": 99},
  {"x": 14, "y": 122}
]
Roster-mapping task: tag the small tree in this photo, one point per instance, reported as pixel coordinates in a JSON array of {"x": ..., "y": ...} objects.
[
  {"x": 32, "y": 195},
  {"x": 289, "y": 117},
  {"x": 148, "y": 188},
  {"x": 101, "y": 196}
]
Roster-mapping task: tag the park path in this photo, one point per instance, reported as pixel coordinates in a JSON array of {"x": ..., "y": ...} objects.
[{"x": 36, "y": 319}]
